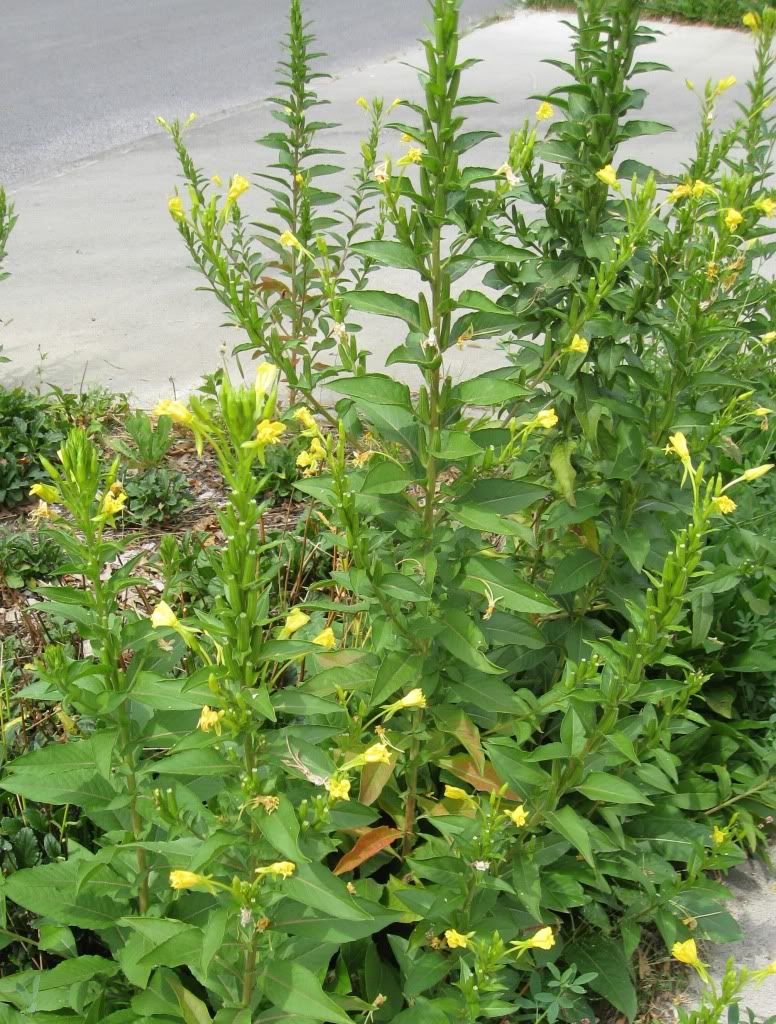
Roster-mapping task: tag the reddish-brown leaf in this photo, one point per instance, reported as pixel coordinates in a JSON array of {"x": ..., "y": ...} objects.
[
  {"x": 371, "y": 842},
  {"x": 463, "y": 767},
  {"x": 373, "y": 780}
]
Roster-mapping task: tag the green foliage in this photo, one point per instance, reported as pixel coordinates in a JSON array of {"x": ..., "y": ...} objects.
[
  {"x": 712, "y": 12},
  {"x": 157, "y": 495},
  {"x": 446, "y": 749},
  {"x": 26, "y": 556},
  {"x": 26, "y": 434},
  {"x": 150, "y": 442},
  {"x": 7, "y": 221}
]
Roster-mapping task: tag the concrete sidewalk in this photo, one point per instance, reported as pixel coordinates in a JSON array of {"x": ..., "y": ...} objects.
[{"x": 101, "y": 284}]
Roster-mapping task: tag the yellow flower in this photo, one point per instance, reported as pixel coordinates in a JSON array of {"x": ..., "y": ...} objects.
[
  {"x": 755, "y": 472},
  {"x": 608, "y": 176},
  {"x": 176, "y": 411},
  {"x": 414, "y": 155},
  {"x": 518, "y": 816},
  {"x": 339, "y": 789},
  {"x": 414, "y": 699},
  {"x": 266, "y": 378},
  {"x": 360, "y": 459},
  {"x": 189, "y": 880},
  {"x": 361, "y": 102},
  {"x": 579, "y": 344},
  {"x": 769, "y": 336},
  {"x": 723, "y": 505},
  {"x": 677, "y": 445},
  {"x": 289, "y": 239},
  {"x": 237, "y": 186},
  {"x": 113, "y": 504},
  {"x": 306, "y": 418},
  {"x": 762, "y": 411},
  {"x": 299, "y": 178},
  {"x": 217, "y": 180},
  {"x": 269, "y": 432},
  {"x": 718, "y": 836},
  {"x": 395, "y": 103},
  {"x": 768, "y": 206},
  {"x": 210, "y": 719},
  {"x": 294, "y": 621},
  {"x": 547, "y": 419},
  {"x": 457, "y": 940},
  {"x": 280, "y": 869},
  {"x": 378, "y": 753},
  {"x": 725, "y": 83},
  {"x": 163, "y": 617},
  {"x": 543, "y": 939},
  {"x": 732, "y": 219},
  {"x": 752, "y": 20},
  {"x": 456, "y": 793},
  {"x": 700, "y": 188},
  {"x": 712, "y": 271},
  {"x": 46, "y": 492},
  {"x": 545, "y": 111},
  {"x": 176, "y": 208},
  {"x": 686, "y": 952},
  {"x": 326, "y": 639},
  {"x": 680, "y": 192}
]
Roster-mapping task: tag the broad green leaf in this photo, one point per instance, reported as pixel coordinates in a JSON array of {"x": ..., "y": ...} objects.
[
  {"x": 374, "y": 389},
  {"x": 575, "y": 571},
  {"x": 463, "y": 639},
  {"x": 281, "y": 830},
  {"x": 389, "y": 254},
  {"x": 489, "y": 389},
  {"x": 490, "y": 250},
  {"x": 52, "y": 891},
  {"x": 385, "y": 304},
  {"x": 611, "y": 789},
  {"x": 386, "y": 477},
  {"x": 193, "y": 1010},
  {"x": 313, "y": 885},
  {"x": 504, "y": 497},
  {"x": 500, "y": 578},
  {"x": 295, "y": 989},
  {"x": 606, "y": 958},
  {"x": 571, "y": 826}
]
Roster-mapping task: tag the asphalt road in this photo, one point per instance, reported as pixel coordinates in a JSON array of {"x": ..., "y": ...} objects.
[{"x": 78, "y": 77}]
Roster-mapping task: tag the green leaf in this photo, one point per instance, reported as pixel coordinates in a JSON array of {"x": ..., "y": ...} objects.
[
  {"x": 500, "y": 578},
  {"x": 385, "y": 304},
  {"x": 292, "y": 987},
  {"x": 389, "y": 254},
  {"x": 504, "y": 497},
  {"x": 571, "y": 826},
  {"x": 606, "y": 958},
  {"x": 611, "y": 789},
  {"x": 374, "y": 389},
  {"x": 193, "y": 1010},
  {"x": 563, "y": 471},
  {"x": 489, "y": 250},
  {"x": 490, "y": 388},
  {"x": 635, "y": 129},
  {"x": 52, "y": 891},
  {"x": 313, "y": 885},
  {"x": 461, "y": 637},
  {"x": 281, "y": 830},
  {"x": 385, "y": 477},
  {"x": 575, "y": 571}
]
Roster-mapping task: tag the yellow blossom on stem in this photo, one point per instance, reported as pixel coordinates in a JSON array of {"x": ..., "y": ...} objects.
[
  {"x": 361, "y": 102},
  {"x": 112, "y": 504},
  {"x": 414, "y": 699},
  {"x": 210, "y": 720},
  {"x": 518, "y": 816},
  {"x": 723, "y": 505},
  {"x": 378, "y": 753},
  {"x": 294, "y": 621},
  {"x": 608, "y": 176},
  {"x": 725, "y": 83},
  {"x": 579, "y": 344},
  {"x": 176, "y": 411},
  {"x": 381, "y": 173},
  {"x": 163, "y": 617},
  {"x": 237, "y": 186},
  {"x": 752, "y": 21},
  {"x": 687, "y": 953},
  {"x": 217, "y": 180},
  {"x": 266, "y": 378},
  {"x": 732, "y": 219},
  {"x": 268, "y": 432},
  {"x": 176, "y": 208},
  {"x": 547, "y": 419},
  {"x": 190, "y": 880},
  {"x": 677, "y": 445},
  {"x": 280, "y": 869},
  {"x": 360, "y": 459},
  {"x": 718, "y": 836},
  {"x": 414, "y": 155},
  {"x": 700, "y": 188},
  {"x": 457, "y": 940},
  {"x": 46, "y": 492},
  {"x": 339, "y": 789},
  {"x": 543, "y": 939},
  {"x": 680, "y": 192},
  {"x": 456, "y": 793},
  {"x": 41, "y": 511},
  {"x": 326, "y": 639},
  {"x": 761, "y": 411},
  {"x": 306, "y": 418},
  {"x": 289, "y": 239},
  {"x": 545, "y": 111},
  {"x": 769, "y": 336},
  {"x": 767, "y": 206}
]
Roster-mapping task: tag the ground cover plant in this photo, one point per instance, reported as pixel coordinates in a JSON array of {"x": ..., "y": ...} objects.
[
  {"x": 488, "y": 715},
  {"x": 712, "y": 12}
]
